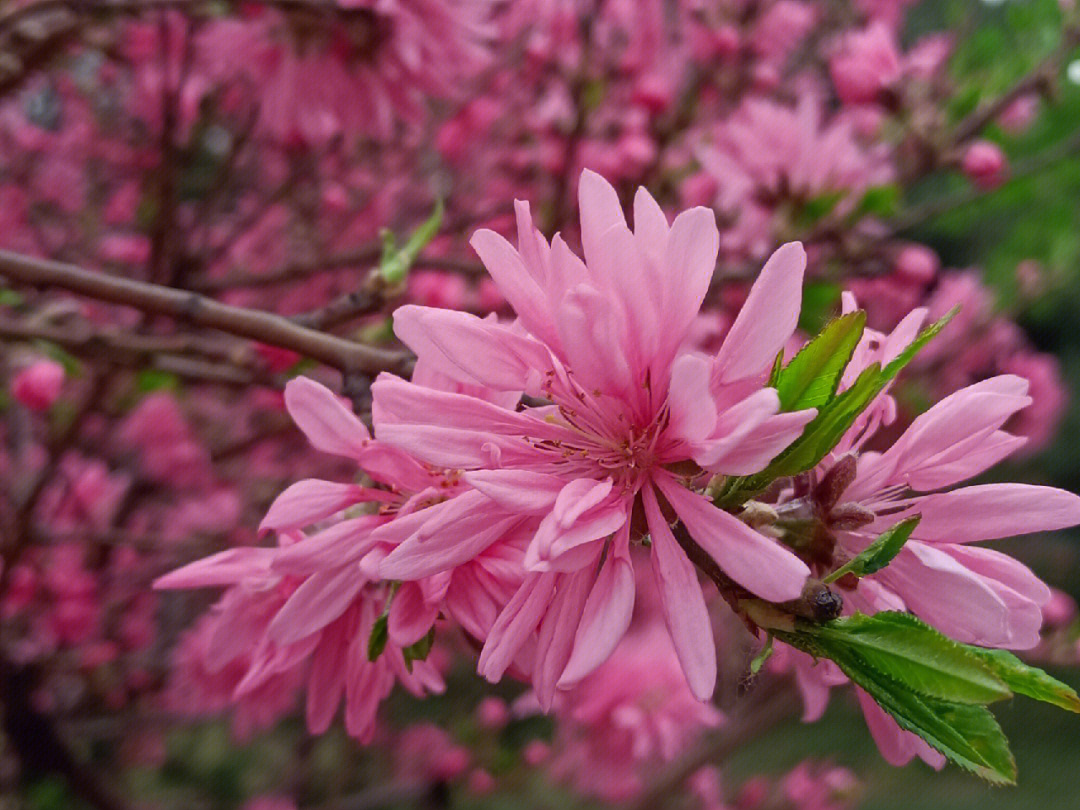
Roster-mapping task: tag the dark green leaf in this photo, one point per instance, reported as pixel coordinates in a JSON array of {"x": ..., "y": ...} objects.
[
  {"x": 879, "y": 553},
  {"x": 811, "y": 378},
  {"x": 419, "y": 651},
  {"x": 878, "y": 201},
  {"x": 377, "y": 640}
]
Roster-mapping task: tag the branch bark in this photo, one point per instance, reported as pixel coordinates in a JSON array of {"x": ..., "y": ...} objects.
[{"x": 348, "y": 357}]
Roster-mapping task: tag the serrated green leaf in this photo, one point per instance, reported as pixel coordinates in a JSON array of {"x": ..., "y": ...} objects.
[
  {"x": 811, "y": 378},
  {"x": 380, "y": 633},
  {"x": 966, "y": 734},
  {"x": 916, "y": 655},
  {"x": 879, "y": 553},
  {"x": 1027, "y": 680}
]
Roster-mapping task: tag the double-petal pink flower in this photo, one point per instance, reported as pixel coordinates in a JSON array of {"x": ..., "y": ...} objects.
[{"x": 620, "y": 425}]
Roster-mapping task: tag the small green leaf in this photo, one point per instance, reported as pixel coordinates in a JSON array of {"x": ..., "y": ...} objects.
[
  {"x": 396, "y": 263},
  {"x": 10, "y": 298},
  {"x": 811, "y": 378},
  {"x": 777, "y": 367},
  {"x": 419, "y": 651},
  {"x": 378, "y": 638},
  {"x": 879, "y": 553},
  {"x": 766, "y": 653},
  {"x": 816, "y": 208},
  {"x": 154, "y": 379},
  {"x": 1027, "y": 680},
  {"x": 878, "y": 201}
]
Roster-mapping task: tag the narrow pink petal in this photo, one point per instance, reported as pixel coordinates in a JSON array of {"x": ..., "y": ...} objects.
[
  {"x": 307, "y": 502},
  {"x": 685, "y": 612},
  {"x": 517, "y": 490},
  {"x": 224, "y": 568},
  {"x": 344, "y": 542},
  {"x": 557, "y": 631},
  {"x": 990, "y": 511},
  {"x": 692, "y": 248},
  {"x": 600, "y": 212},
  {"x": 328, "y": 424},
  {"x": 604, "y": 619},
  {"x": 459, "y": 543},
  {"x": 765, "y": 442},
  {"x": 321, "y": 599},
  {"x": 514, "y": 281},
  {"x": 518, "y": 620},
  {"x": 759, "y": 564},
  {"x": 767, "y": 319},
  {"x": 326, "y": 683}
]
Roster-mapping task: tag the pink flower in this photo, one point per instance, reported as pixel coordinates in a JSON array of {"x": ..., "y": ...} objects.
[
  {"x": 985, "y": 164},
  {"x": 627, "y": 418},
  {"x": 632, "y": 713},
  {"x": 865, "y": 64},
  {"x": 37, "y": 386}
]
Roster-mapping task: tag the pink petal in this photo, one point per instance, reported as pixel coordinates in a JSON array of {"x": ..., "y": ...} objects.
[
  {"x": 557, "y": 631},
  {"x": 326, "y": 682},
  {"x": 600, "y": 212},
  {"x": 410, "y": 615},
  {"x": 989, "y": 511},
  {"x": 518, "y": 620},
  {"x": 690, "y": 258},
  {"x": 519, "y": 491},
  {"x": 307, "y": 502},
  {"x": 767, "y": 319},
  {"x": 685, "y": 613},
  {"x": 604, "y": 620},
  {"x": 327, "y": 423},
  {"x": 321, "y": 599},
  {"x": 470, "y": 350},
  {"x": 760, "y": 565},
  {"x": 224, "y": 568},
  {"x": 517, "y": 285},
  {"x": 690, "y": 404}
]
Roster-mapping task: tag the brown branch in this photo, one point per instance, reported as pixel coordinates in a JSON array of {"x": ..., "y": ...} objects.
[
  {"x": 767, "y": 706},
  {"x": 348, "y": 357}
]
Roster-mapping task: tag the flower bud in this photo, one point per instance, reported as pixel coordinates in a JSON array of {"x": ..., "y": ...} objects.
[
  {"x": 38, "y": 385},
  {"x": 985, "y": 165}
]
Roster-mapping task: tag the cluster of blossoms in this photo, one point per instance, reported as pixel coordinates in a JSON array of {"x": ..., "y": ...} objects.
[{"x": 510, "y": 486}]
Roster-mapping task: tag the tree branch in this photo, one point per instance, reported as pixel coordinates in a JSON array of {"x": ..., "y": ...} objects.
[{"x": 348, "y": 357}]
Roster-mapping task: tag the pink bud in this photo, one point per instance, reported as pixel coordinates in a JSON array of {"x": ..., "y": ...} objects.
[
  {"x": 481, "y": 782},
  {"x": 536, "y": 752},
  {"x": 38, "y": 385},
  {"x": 866, "y": 63},
  {"x": 917, "y": 263},
  {"x": 985, "y": 164},
  {"x": 492, "y": 713}
]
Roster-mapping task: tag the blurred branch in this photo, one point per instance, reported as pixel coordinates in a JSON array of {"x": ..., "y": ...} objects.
[
  {"x": 767, "y": 706},
  {"x": 348, "y": 357},
  {"x": 1035, "y": 164}
]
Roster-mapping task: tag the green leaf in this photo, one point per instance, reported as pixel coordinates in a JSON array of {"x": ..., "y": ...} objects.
[
  {"x": 811, "y": 378},
  {"x": 831, "y": 423},
  {"x": 916, "y": 655},
  {"x": 879, "y": 553},
  {"x": 878, "y": 201},
  {"x": 766, "y": 653},
  {"x": 1027, "y": 680},
  {"x": 777, "y": 367},
  {"x": 10, "y": 298},
  {"x": 814, "y": 209},
  {"x": 966, "y": 734},
  {"x": 154, "y": 379},
  {"x": 419, "y": 651},
  {"x": 396, "y": 263},
  {"x": 377, "y": 640}
]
